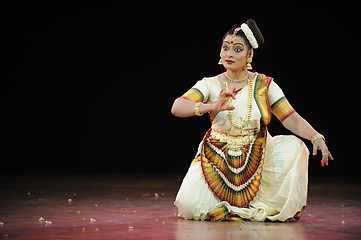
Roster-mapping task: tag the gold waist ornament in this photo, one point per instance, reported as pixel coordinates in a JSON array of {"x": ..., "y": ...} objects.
[{"x": 233, "y": 142}]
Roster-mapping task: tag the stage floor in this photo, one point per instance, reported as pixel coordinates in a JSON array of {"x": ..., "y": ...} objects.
[{"x": 140, "y": 206}]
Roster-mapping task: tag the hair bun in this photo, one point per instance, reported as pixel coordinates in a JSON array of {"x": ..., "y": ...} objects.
[{"x": 255, "y": 30}]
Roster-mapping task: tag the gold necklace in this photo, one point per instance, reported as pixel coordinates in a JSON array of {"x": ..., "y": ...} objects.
[
  {"x": 246, "y": 76},
  {"x": 249, "y": 106}
]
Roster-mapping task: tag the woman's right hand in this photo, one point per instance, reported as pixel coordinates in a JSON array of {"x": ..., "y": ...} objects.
[{"x": 223, "y": 101}]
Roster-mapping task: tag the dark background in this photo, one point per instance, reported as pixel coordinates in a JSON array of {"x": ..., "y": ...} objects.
[{"x": 89, "y": 88}]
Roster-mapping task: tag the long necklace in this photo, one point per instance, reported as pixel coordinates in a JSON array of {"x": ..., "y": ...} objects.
[
  {"x": 246, "y": 76},
  {"x": 249, "y": 106}
]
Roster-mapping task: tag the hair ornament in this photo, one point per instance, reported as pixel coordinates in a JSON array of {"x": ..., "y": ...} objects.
[{"x": 249, "y": 34}]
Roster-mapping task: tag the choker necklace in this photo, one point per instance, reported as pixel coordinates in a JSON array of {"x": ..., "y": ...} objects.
[{"x": 246, "y": 76}]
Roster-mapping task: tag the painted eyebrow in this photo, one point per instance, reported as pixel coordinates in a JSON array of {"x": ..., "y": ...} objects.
[{"x": 234, "y": 43}]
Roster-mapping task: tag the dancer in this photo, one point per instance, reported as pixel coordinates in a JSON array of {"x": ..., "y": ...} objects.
[{"x": 240, "y": 171}]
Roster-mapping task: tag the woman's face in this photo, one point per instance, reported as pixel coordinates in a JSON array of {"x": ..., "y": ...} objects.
[{"x": 234, "y": 53}]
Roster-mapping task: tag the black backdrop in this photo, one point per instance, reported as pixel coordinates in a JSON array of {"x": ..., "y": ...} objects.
[{"x": 89, "y": 88}]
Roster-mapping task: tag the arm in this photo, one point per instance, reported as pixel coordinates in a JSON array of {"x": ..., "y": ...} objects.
[
  {"x": 184, "y": 107},
  {"x": 299, "y": 126}
]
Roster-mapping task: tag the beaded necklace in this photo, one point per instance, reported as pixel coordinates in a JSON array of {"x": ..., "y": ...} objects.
[
  {"x": 246, "y": 76},
  {"x": 249, "y": 106}
]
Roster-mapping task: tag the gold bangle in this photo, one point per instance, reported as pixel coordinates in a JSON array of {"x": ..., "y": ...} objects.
[
  {"x": 317, "y": 136},
  {"x": 196, "y": 109}
]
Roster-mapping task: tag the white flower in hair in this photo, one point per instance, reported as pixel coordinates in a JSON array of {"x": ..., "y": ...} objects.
[{"x": 249, "y": 34}]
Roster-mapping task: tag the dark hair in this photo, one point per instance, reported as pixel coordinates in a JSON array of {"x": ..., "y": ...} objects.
[{"x": 255, "y": 30}]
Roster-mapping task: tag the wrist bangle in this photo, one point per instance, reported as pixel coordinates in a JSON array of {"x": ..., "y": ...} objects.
[
  {"x": 196, "y": 109},
  {"x": 317, "y": 136}
]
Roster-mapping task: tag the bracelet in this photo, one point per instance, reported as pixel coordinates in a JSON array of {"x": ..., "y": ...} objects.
[
  {"x": 196, "y": 109},
  {"x": 317, "y": 136}
]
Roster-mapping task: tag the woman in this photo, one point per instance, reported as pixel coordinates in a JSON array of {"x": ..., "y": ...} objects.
[{"x": 240, "y": 171}]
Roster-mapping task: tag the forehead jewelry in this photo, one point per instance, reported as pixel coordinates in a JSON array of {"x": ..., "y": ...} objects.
[{"x": 233, "y": 36}]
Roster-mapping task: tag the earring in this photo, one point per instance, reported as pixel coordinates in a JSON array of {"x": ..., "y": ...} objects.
[
  {"x": 249, "y": 66},
  {"x": 220, "y": 61}
]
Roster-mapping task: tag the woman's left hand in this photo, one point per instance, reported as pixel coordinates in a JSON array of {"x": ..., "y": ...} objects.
[{"x": 319, "y": 144}]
